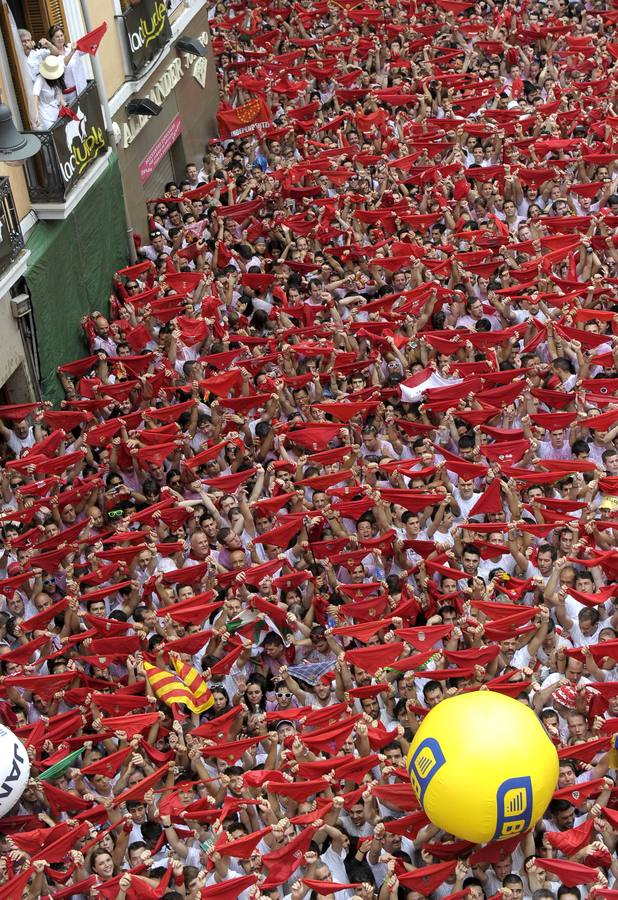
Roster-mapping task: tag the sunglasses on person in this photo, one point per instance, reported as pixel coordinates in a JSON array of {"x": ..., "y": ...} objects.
[
  {"x": 115, "y": 513},
  {"x": 285, "y": 695}
]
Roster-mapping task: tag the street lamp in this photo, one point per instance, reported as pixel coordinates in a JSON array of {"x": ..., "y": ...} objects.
[
  {"x": 143, "y": 106},
  {"x": 191, "y": 45},
  {"x": 15, "y": 146}
]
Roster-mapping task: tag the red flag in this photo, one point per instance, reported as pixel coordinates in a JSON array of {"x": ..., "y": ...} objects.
[
  {"x": 281, "y": 536},
  {"x": 45, "y": 685},
  {"x": 314, "y": 437},
  {"x": 373, "y": 658},
  {"x": 398, "y": 795},
  {"x": 495, "y": 851},
  {"x": 67, "y": 113},
  {"x": 58, "y": 849},
  {"x": 107, "y": 765},
  {"x": 300, "y": 791},
  {"x": 323, "y": 888},
  {"x": 281, "y": 863},
  {"x": 570, "y": 874},
  {"x": 230, "y": 889},
  {"x": 422, "y": 638},
  {"x": 426, "y": 880},
  {"x": 89, "y": 43},
  {"x": 244, "y": 846},
  {"x": 225, "y": 664},
  {"x": 229, "y": 483},
  {"x": 579, "y": 793},
  {"x": 490, "y": 501},
  {"x": 23, "y": 652},
  {"x": 272, "y": 610},
  {"x": 191, "y": 644},
  {"x": 571, "y": 841},
  {"x": 362, "y": 632},
  {"x": 244, "y": 120},
  {"x": 449, "y": 849},
  {"x": 187, "y": 575},
  {"x": 31, "y": 841},
  {"x": 132, "y": 725},
  {"x": 17, "y": 411},
  {"x": 16, "y": 886},
  {"x": 138, "y": 790},
  {"x": 409, "y": 825},
  {"x": 331, "y": 739},
  {"x": 231, "y": 750},
  {"x": 63, "y": 801}
]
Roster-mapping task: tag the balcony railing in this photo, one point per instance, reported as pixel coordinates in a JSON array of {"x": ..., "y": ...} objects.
[
  {"x": 11, "y": 238},
  {"x": 68, "y": 150}
]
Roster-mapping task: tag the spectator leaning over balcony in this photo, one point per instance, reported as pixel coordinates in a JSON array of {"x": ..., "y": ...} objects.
[{"x": 75, "y": 76}]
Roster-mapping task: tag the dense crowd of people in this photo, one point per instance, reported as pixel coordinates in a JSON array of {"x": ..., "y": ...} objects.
[{"x": 345, "y": 445}]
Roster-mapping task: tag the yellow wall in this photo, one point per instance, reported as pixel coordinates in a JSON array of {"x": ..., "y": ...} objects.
[
  {"x": 18, "y": 188},
  {"x": 110, "y": 51}
]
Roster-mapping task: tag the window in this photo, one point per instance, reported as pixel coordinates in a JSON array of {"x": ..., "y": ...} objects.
[{"x": 40, "y": 15}]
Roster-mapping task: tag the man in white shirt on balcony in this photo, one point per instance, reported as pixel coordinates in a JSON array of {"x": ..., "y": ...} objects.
[{"x": 35, "y": 54}]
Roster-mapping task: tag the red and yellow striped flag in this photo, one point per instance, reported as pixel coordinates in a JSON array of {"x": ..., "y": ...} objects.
[
  {"x": 196, "y": 684},
  {"x": 172, "y": 690}
]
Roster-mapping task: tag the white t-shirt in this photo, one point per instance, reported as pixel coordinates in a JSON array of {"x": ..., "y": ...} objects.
[{"x": 18, "y": 445}]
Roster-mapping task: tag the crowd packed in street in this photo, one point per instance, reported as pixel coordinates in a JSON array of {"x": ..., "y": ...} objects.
[{"x": 342, "y": 445}]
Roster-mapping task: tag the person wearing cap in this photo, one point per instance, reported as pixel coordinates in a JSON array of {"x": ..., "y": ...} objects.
[
  {"x": 47, "y": 90},
  {"x": 608, "y": 506}
]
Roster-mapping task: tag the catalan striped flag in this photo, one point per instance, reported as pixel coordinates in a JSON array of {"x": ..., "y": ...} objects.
[
  {"x": 189, "y": 675},
  {"x": 171, "y": 689}
]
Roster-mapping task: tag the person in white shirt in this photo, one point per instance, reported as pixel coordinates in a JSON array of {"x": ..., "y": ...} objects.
[
  {"x": 35, "y": 54},
  {"x": 75, "y": 71},
  {"x": 21, "y": 436}
]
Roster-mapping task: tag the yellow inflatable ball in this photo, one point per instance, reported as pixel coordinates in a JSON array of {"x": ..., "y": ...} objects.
[{"x": 482, "y": 766}]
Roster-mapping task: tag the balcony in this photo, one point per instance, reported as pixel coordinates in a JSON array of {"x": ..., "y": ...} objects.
[
  {"x": 11, "y": 238},
  {"x": 68, "y": 161},
  {"x": 13, "y": 255}
]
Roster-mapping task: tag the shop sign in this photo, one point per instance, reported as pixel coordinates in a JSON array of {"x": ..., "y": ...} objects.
[
  {"x": 148, "y": 31},
  {"x": 163, "y": 145},
  {"x": 80, "y": 142}
]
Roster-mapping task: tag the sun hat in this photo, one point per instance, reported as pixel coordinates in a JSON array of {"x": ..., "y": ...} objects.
[{"x": 52, "y": 67}]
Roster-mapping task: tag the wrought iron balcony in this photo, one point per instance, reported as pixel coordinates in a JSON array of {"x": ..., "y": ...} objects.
[
  {"x": 68, "y": 150},
  {"x": 11, "y": 238}
]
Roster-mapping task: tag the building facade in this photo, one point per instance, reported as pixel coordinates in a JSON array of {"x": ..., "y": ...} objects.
[{"x": 68, "y": 216}]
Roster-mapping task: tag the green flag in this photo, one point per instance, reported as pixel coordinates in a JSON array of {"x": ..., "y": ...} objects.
[{"x": 60, "y": 767}]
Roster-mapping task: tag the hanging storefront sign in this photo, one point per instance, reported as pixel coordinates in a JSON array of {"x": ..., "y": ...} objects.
[
  {"x": 80, "y": 141},
  {"x": 148, "y": 31}
]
